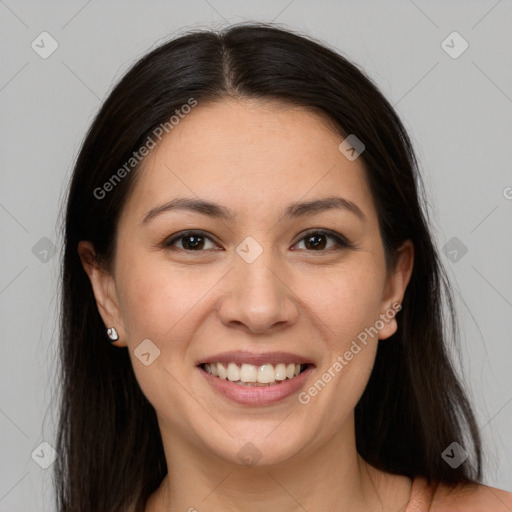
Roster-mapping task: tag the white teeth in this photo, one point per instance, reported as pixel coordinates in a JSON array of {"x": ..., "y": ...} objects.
[
  {"x": 280, "y": 371},
  {"x": 266, "y": 374},
  {"x": 233, "y": 372},
  {"x": 222, "y": 371},
  {"x": 250, "y": 373}
]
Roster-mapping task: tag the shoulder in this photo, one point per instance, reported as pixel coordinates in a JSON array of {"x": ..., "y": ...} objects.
[{"x": 457, "y": 498}]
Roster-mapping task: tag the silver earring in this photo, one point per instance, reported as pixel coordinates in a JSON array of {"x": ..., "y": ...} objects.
[{"x": 112, "y": 334}]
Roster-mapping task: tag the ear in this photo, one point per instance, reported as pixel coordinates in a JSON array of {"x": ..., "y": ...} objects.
[
  {"x": 104, "y": 289},
  {"x": 396, "y": 285}
]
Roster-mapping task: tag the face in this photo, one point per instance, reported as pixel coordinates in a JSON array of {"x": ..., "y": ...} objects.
[{"x": 282, "y": 279}]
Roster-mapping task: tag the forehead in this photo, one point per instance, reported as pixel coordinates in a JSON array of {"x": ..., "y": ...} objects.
[{"x": 252, "y": 156}]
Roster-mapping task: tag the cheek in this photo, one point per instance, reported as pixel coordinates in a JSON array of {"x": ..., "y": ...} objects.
[
  {"x": 346, "y": 305},
  {"x": 158, "y": 300},
  {"x": 151, "y": 298},
  {"x": 155, "y": 303},
  {"x": 345, "y": 300}
]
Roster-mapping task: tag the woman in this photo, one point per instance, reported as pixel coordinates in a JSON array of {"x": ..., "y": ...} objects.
[{"x": 244, "y": 226}]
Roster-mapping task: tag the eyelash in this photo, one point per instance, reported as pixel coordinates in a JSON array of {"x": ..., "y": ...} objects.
[{"x": 341, "y": 242}]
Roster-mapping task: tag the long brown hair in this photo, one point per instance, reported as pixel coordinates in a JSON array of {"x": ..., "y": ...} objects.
[{"x": 110, "y": 449}]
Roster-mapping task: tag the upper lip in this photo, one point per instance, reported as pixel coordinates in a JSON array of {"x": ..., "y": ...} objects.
[{"x": 256, "y": 359}]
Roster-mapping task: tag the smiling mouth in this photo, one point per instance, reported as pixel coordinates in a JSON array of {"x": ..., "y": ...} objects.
[{"x": 255, "y": 375}]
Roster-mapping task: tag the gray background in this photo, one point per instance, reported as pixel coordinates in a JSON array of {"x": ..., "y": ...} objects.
[{"x": 457, "y": 111}]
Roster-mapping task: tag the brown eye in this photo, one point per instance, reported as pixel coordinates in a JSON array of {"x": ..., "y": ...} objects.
[
  {"x": 315, "y": 241},
  {"x": 318, "y": 241},
  {"x": 189, "y": 241},
  {"x": 192, "y": 242}
]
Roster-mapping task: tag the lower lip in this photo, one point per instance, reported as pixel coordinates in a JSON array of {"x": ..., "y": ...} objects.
[{"x": 257, "y": 395}]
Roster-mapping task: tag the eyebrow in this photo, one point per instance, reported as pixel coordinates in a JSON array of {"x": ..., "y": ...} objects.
[{"x": 293, "y": 210}]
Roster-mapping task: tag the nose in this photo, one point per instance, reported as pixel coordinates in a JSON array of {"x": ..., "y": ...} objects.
[{"x": 256, "y": 297}]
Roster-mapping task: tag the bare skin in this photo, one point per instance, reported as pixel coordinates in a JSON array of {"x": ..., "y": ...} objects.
[{"x": 193, "y": 301}]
